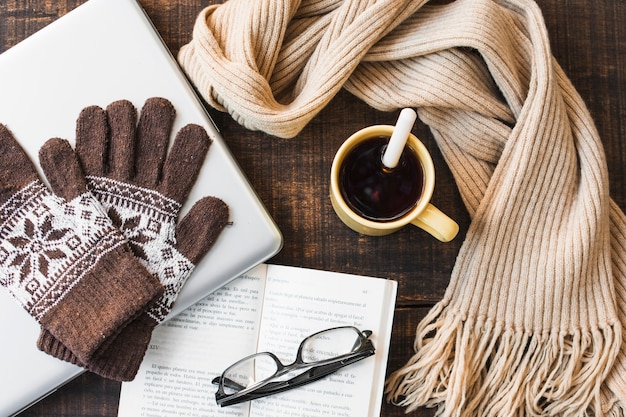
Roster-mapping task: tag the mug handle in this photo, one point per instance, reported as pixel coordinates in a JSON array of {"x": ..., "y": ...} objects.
[{"x": 435, "y": 222}]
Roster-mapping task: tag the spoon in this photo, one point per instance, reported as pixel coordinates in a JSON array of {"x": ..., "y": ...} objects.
[{"x": 399, "y": 137}]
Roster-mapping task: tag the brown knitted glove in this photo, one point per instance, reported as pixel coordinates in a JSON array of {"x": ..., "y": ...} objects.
[
  {"x": 60, "y": 255},
  {"x": 143, "y": 191}
]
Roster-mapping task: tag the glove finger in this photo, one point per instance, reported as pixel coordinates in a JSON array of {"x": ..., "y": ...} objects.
[
  {"x": 16, "y": 169},
  {"x": 62, "y": 169},
  {"x": 122, "y": 118},
  {"x": 153, "y": 132},
  {"x": 184, "y": 162},
  {"x": 198, "y": 230},
  {"x": 91, "y": 140}
]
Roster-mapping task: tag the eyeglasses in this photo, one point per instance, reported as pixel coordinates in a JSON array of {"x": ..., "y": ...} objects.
[{"x": 319, "y": 355}]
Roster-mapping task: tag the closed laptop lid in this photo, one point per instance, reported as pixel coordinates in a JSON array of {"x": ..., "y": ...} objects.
[{"x": 102, "y": 51}]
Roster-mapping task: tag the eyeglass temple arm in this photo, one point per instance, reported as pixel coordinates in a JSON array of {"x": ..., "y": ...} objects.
[
  {"x": 227, "y": 382},
  {"x": 319, "y": 372},
  {"x": 311, "y": 375},
  {"x": 357, "y": 343}
]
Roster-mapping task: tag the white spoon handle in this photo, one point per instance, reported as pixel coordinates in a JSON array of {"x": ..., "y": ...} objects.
[{"x": 399, "y": 137}]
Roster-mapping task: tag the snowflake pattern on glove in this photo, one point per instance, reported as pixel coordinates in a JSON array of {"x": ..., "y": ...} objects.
[
  {"x": 148, "y": 220},
  {"x": 48, "y": 244}
]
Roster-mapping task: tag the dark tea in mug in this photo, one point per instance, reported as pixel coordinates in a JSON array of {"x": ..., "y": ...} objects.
[{"x": 375, "y": 192}]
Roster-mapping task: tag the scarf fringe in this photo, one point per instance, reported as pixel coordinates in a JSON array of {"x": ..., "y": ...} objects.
[
  {"x": 617, "y": 410},
  {"x": 612, "y": 405},
  {"x": 476, "y": 367}
]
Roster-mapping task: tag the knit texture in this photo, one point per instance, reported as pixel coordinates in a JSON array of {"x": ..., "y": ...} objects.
[
  {"x": 143, "y": 187},
  {"x": 530, "y": 323},
  {"x": 61, "y": 257}
]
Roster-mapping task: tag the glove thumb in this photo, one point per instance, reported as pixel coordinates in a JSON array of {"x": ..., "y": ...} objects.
[{"x": 198, "y": 230}]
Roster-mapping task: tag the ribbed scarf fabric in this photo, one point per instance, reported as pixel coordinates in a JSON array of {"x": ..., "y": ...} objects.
[{"x": 531, "y": 322}]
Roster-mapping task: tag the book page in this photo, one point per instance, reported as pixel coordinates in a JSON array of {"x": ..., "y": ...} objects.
[
  {"x": 189, "y": 350},
  {"x": 300, "y": 302}
]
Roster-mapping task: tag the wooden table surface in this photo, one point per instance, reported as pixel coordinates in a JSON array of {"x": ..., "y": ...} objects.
[{"x": 291, "y": 176}]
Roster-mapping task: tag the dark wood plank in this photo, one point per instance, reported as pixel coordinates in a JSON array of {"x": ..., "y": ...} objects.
[{"x": 291, "y": 176}]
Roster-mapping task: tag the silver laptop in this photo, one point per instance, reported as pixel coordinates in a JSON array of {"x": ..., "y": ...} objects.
[{"x": 106, "y": 50}]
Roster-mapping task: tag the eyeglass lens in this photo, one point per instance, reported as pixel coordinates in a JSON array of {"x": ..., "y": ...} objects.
[
  {"x": 248, "y": 372},
  {"x": 322, "y": 346},
  {"x": 330, "y": 344}
]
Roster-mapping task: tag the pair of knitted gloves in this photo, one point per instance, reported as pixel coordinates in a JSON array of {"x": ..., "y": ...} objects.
[{"x": 99, "y": 257}]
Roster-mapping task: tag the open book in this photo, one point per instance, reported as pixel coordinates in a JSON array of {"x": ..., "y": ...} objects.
[{"x": 270, "y": 308}]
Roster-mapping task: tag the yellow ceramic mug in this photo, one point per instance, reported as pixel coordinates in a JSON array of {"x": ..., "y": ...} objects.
[{"x": 422, "y": 214}]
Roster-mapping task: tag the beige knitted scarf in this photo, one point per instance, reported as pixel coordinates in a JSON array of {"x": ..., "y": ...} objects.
[{"x": 531, "y": 323}]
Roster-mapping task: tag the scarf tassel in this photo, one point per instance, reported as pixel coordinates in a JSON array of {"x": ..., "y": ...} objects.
[{"x": 475, "y": 367}]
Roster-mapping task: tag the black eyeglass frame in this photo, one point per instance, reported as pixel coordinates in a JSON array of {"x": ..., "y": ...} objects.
[{"x": 316, "y": 371}]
